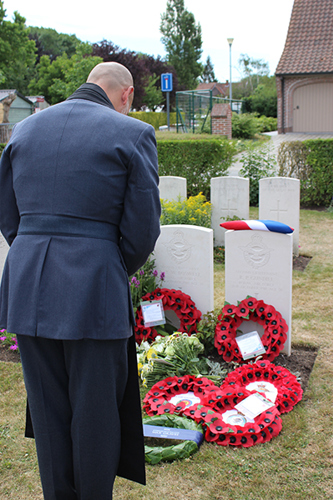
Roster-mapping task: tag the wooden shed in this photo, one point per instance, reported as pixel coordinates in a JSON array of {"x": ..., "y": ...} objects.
[{"x": 304, "y": 75}]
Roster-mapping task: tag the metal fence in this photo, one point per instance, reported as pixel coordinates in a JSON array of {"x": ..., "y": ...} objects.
[{"x": 194, "y": 108}]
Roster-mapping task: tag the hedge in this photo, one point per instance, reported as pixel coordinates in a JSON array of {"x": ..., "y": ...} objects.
[
  {"x": 155, "y": 119},
  {"x": 311, "y": 162},
  {"x": 196, "y": 160}
]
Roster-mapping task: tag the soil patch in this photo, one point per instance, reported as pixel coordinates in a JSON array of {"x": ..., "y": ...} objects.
[
  {"x": 300, "y": 262},
  {"x": 300, "y": 362}
]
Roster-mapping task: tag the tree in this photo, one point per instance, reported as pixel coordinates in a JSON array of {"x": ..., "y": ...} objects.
[
  {"x": 182, "y": 41},
  {"x": 264, "y": 98},
  {"x": 57, "y": 80},
  {"x": 141, "y": 66},
  {"x": 208, "y": 75},
  {"x": 17, "y": 52},
  {"x": 153, "y": 95},
  {"x": 252, "y": 70},
  {"x": 51, "y": 43}
]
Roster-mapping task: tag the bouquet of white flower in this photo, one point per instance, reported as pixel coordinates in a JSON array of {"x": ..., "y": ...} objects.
[{"x": 175, "y": 355}]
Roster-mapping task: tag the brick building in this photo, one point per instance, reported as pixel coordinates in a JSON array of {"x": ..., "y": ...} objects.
[{"x": 304, "y": 75}]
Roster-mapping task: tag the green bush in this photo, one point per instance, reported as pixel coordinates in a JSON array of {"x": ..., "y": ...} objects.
[
  {"x": 195, "y": 211},
  {"x": 257, "y": 163},
  {"x": 311, "y": 162},
  {"x": 197, "y": 160},
  {"x": 244, "y": 126},
  {"x": 266, "y": 123},
  {"x": 2, "y": 147},
  {"x": 155, "y": 119}
]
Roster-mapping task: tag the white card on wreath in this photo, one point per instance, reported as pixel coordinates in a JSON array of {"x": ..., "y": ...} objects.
[
  {"x": 153, "y": 312},
  {"x": 253, "y": 405},
  {"x": 250, "y": 345}
]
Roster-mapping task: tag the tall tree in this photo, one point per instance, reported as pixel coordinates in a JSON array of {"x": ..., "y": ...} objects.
[
  {"x": 17, "y": 52},
  {"x": 182, "y": 41},
  {"x": 208, "y": 75},
  {"x": 57, "y": 80},
  {"x": 51, "y": 43},
  {"x": 252, "y": 70}
]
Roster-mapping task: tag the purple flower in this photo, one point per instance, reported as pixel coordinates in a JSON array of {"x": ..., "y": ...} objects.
[
  {"x": 155, "y": 273},
  {"x": 1, "y": 331},
  {"x": 13, "y": 347},
  {"x": 3, "y": 339},
  {"x": 141, "y": 272},
  {"x": 137, "y": 284},
  {"x": 162, "y": 276}
]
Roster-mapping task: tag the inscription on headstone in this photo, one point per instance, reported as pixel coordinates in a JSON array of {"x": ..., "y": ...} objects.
[
  {"x": 185, "y": 254},
  {"x": 173, "y": 188},
  {"x": 229, "y": 197},
  {"x": 279, "y": 199},
  {"x": 259, "y": 263}
]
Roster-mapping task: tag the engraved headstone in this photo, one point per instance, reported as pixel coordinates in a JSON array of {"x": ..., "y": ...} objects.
[
  {"x": 229, "y": 197},
  {"x": 173, "y": 188},
  {"x": 259, "y": 264},
  {"x": 279, "y": 199},
  {"x": 4, "y": 247},
  {"x": 185, "y": 254}
]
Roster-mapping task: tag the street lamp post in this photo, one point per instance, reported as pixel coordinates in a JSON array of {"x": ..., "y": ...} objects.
[{"x": 230, "y": 40}]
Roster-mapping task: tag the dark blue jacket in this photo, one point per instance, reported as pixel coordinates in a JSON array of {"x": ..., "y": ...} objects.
[{"x": 82, "y": 163}]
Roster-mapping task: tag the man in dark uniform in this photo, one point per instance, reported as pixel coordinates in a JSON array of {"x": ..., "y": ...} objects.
[{"x": 80, "y": 209}]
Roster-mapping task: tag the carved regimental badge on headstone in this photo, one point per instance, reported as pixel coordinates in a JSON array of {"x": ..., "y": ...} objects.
[
  {"x": 256, "y": 253},
  {"x": 185, "y": 254}
]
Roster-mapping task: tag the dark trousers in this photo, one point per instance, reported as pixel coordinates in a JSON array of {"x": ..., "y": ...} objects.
[{"x": 75, "y": 388}]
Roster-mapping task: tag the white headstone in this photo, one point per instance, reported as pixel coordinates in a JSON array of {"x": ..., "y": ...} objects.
[
  {"x": 229, "y": 197},
  {"x": 259, "y": 264},
  {"x": 185, "y": 254},
  {"x": 279, "y": 199},
  {"x": 173, "y": 188},
  {"x": 4, "y": 247}
]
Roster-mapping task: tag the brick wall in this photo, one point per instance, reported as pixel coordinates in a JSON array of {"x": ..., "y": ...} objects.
[{"x": 221, "y": 120}]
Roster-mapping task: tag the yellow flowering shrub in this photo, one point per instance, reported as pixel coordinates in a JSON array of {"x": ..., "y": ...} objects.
[{"x": 195, "y": 211}]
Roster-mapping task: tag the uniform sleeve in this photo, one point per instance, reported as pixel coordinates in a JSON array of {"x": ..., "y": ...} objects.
[
  {"x": 140, "y": 223},
  {"x": 9, "y": 214}
]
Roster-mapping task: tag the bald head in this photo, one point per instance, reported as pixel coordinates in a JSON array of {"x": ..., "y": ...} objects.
[{"x": 117, "y": 83}]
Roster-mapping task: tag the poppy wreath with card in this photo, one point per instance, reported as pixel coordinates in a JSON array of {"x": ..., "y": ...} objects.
[
  {"x": 276, "y": 383},
  {"x": 177, "y": 394},
  {"x": 226, "y": 426},
  {"x": 249, "y": 309},
  {"x": 172, "y": 300}
]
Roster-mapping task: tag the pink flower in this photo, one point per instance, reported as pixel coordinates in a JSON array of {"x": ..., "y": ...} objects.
[
  {"x": 3, "y": 339},
  {"x": 13, "y": 347}
]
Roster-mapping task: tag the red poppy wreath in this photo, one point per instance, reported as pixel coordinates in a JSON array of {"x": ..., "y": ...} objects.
[
  {"x": 178, "y": 394},
  {"x": 276, "y": 383},
  {"x": 174, "y": 300},
  {"x": 250, "y": 309},
  {"x": 212, "y": 407},
  {"x": 227, "y": 426}
]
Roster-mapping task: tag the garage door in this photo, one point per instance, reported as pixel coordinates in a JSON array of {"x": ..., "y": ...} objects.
[{"x": 313, "y": 108}]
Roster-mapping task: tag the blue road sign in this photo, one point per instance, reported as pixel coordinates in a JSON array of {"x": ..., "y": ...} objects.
[{"x": 166, "y": 82}]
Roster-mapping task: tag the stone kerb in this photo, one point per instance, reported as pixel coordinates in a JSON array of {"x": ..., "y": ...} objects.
[
  {"x": 4, "y": 247},
  {"x": 229, "y": 197},
  {"x": 173, "y": 188},
  {"x": 279, "y": 199},
  {"x": 185, "y": 254},
  {"x": 259, "y": 264}
]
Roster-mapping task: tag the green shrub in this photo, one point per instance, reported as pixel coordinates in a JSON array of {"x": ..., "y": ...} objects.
[
  {"x": 195, "y": 211},
  {"x": 155, "y": 119},
  {"x": 197, "y": 160},
  {"x": 257, "y": 163},
  {"x": 266, "y": 123},
  {"x": 2, "y": 147},
  {"x": 311, "y": 162},
  {"x": 244, "y": 126}
]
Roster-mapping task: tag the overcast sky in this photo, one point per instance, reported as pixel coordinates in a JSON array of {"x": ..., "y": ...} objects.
[{"x": 259, "y": 27}]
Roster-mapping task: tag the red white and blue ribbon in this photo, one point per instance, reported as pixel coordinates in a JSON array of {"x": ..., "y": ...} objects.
[{"x": 258, "y": 225}]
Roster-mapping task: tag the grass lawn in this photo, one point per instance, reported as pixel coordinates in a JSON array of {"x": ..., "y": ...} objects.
[{"x": 297, "y": 464}]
